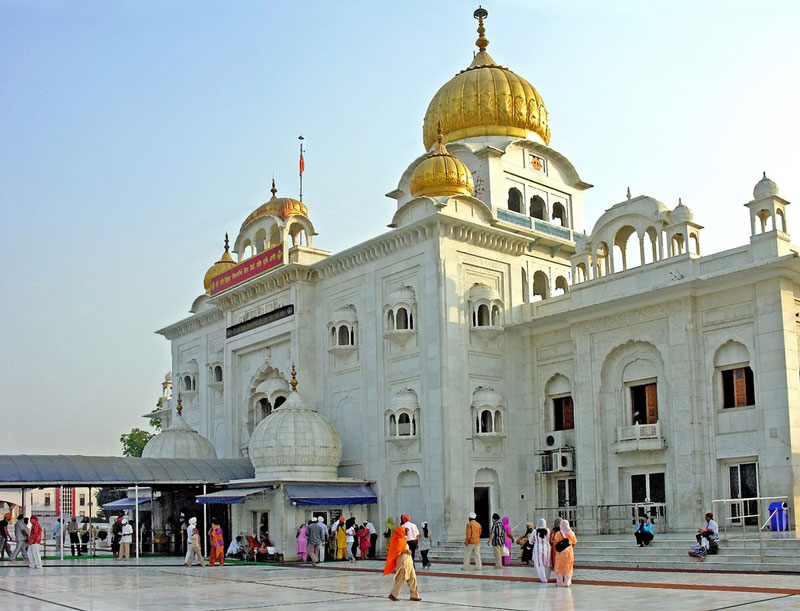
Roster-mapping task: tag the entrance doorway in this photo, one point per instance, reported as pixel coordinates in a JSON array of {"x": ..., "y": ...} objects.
[
  {"x": 481, "y": 504},
  {"x": 744, "y": 485}
]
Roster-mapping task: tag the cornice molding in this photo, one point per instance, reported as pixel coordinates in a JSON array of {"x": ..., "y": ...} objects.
[
  {"x": 265, "y": 285},
  {"x": 192, "y": 323}
]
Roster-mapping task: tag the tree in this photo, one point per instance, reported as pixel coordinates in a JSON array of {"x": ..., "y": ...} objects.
[
  {"x": 106, "y": 495},
  {"x": 133, "y": 443}
]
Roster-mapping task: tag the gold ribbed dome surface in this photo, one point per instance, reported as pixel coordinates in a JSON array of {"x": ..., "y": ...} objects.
[
  {"x": 486, "y": 100},
  {"x": 441, "y": 173},
  {"x": 224, "y": 264},
  {"x": 283, "y": 207}
]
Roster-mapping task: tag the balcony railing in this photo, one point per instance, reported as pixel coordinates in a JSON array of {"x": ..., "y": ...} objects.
[
  {"x": 607, "y": 519},
  {"x": 639, "y": 431}
]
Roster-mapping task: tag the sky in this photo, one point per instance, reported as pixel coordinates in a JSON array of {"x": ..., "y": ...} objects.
[{"x": 133, "y": 135}]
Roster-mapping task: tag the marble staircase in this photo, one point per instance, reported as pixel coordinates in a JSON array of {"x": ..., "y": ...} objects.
[{"x": 667, "y": 551}]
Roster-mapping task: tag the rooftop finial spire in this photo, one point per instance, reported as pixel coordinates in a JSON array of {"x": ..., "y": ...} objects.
[
  {"x": 628, "y": 194},
  {"x": 227, "y": 246},
  {"x": 180, "y": 404},
  {"x": 294, "y": 379},
  {"x": 439, "y": 135},
  {"x": 480, "y": 14},
  {"x": 273, "y": 190}
]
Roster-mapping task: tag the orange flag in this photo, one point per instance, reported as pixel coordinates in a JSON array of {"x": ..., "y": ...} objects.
[{"x": 302, "y": 163}]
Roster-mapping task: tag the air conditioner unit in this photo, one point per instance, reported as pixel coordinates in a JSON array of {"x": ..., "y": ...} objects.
[
  {"x": 555, "y": 440},
  {"x": 553, "y": 462}
]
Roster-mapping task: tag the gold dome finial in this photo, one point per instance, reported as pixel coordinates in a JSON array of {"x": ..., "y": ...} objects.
[
  {"x": 224, "y": 264},
  {"x": 273, "y": 190},
  {"x": 439, "y": 135},
  {"x": 294, "y": 379},
  {"x": 480, "y": 14},
  {"x": 227, "y": 246},
  {"x": 180, "y": 404}
]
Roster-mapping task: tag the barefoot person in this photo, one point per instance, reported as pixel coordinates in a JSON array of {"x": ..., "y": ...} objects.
[{"x": 399, "y": 562}]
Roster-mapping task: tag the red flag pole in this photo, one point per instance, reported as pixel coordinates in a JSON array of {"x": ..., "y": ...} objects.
[{"x": 302, "y": 166}]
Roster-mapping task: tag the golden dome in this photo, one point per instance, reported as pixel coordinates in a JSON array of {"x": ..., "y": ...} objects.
[
  {"x": 441, "y": 173},
  {"x": 283, "y": 207},
  {"x": 486, "y": 100},
  {"x": 224, "y": 264}
]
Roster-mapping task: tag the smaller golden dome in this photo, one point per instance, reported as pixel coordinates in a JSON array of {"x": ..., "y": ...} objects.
[
  {"x": 283, "y": 207},
  {"x": 441, "y": 173},
  {"x": 224, "y": 264}
]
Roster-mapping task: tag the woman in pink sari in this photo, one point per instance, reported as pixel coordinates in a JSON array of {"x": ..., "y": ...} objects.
[
  {"x": 302, "y": 543},
  {"x": 363, "y": 541},
  {"x": 509, "y": 541}
]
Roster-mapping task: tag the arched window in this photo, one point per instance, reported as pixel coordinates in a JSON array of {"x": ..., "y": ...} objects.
[
  {"x": 498, "y": 421},
  {"x": 486, "y": 425},
  {"x": 559, "y": 214},
  {"x": 390, "y": 320},
  {"x": 333, "y": 336},
  {"x": 562, "y": 286},
  {"x": 402, "y": 318},
  {"x": 264, "y": 408},
  {"x": 344, "y": 336},
  {"x": 404, "y": 425},
  {"x": 218, "y": 374},
  {"x": 261, "y": 240},
  {"x": 495, "y": 316},
  {"x": 514, "y": 200},
  {"x": 540, "y": 287},
  {"x": 483, "y": 315},
  {"x": 280, "y": 400},
  {"x": 538, "y": 209},
  {"x": 582, "y": 275},
  {"x": 187, "y": 383},
  {"x": 392, "y": 426}
]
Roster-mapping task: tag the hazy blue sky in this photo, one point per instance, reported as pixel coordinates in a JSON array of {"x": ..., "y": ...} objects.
[{"x": 133, "y": 135}]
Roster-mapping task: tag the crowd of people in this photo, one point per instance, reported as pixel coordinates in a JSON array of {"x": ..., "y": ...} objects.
[{"x": 548, "y": 550}]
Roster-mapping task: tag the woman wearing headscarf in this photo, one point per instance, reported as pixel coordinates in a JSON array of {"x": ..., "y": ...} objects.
[
  {"x": 556, "y": 523},
  {"x": 525, "y": 542},
  {"x": 363, "y": 541},
  {"x": 217, "y": 544},
  {"x": 398, "y": 561},
  {"x": 542, "y": 552},
  {"x": 425, "y": 545},
  {"x": 341, "y": 540},
  {"x": 565, "y": 540},
  {"x": 509, "y": 541},
  {"x": 34, "y": 541},
  {"x": 302, "y": 543},
  {"x": 387, "y": 534}
]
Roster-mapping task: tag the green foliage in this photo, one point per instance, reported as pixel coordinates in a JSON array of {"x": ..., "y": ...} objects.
[
  {"x": 155, "y": 423},
  {"x": 106, "y": 495},
  {"x": 133, "y": 443}
]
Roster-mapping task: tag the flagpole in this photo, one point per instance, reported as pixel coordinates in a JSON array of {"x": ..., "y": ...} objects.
[{"x": 301, "y": 166}]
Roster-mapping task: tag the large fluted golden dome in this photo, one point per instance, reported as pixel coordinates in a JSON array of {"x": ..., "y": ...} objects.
[
  {"x": 441, "y": 173},
  {"x": 283, "y": 207},
  {"x": 486, "y": 100},
  {"x": 224, "y": 264}
]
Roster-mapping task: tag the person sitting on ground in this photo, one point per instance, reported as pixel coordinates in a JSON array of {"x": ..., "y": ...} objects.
[
  {"x": 643, "y": 532},
  {"x": 236, "y": 549}
]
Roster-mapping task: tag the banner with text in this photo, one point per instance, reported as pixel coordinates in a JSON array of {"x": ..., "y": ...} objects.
[{"x": 246, "y": 270}]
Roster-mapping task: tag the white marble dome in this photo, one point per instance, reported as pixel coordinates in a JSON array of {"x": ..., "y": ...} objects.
[
  {"x": 295, "y": 442},
  {"x": 179, "y": 440},
  {"x": 484, "y": 396},
  {"x": 765, "y": 188},
  {"x": 681, "y": 213}
]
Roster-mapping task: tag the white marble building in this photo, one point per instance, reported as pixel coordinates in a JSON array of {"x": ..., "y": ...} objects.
[{"x": 485, "y": 353}]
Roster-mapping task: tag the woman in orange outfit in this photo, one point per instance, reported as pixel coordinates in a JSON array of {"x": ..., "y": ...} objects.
[
  {"x": 564, "y": 557},
  {"x": 217, "y": 544}
]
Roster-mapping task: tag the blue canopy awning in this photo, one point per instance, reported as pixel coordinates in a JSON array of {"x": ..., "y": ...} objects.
[
  {"x": 122, "y": 504},
  {"x": 231, "y": 495},
  {"x": 331, "y": 494}
]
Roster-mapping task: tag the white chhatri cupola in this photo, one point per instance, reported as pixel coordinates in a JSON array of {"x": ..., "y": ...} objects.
[{"x": 767, "y": 209}]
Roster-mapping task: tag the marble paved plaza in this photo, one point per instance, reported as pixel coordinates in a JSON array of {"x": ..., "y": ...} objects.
[{"x": 160, "y": 583}]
